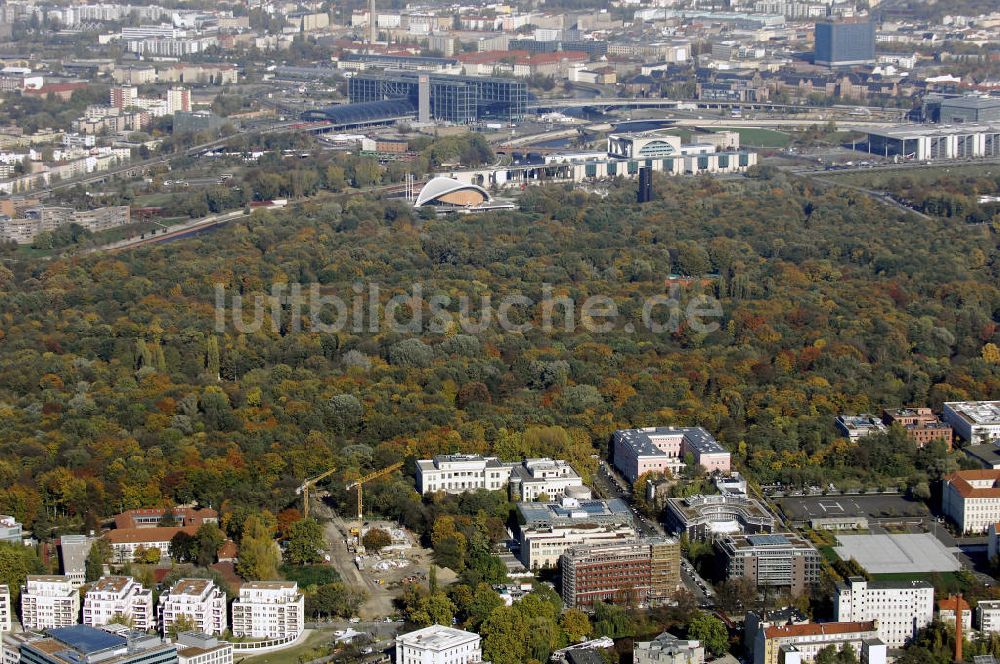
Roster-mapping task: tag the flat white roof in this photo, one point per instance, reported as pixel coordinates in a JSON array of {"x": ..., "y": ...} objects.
[
  {"x": 915, "y": 131},
  {"x": 977, "y": 412},
  {"x": 437, "y": 637}
]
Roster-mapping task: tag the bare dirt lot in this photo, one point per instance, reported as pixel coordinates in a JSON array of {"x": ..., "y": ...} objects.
[{"x": 383, "y": 576}]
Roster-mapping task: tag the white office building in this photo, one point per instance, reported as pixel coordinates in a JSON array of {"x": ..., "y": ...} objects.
[
  {"x": 553, "y": 477},
  {"x": 49, "y": 601},
  {"x": 922, "y": 142},
  {"x": 971, "y": 498},
  {"x": 198, "y": 599},
  {"x": 901, "y": 608},
  {"x": 6, "y": 610},
  {"x": 269, "y": 610},
  {"x": 10, "y": 530},
  {"x": 119, "y": 596},
  {"x": 199, "y": 648},
  {"x": 457, "y": 473},
  {"x": 974, "y": 421},
  {"x": 548, "y": 530},
  {"x": 438, "y": 644},
  {"x": 141, "y": 32},
  {"x": 988, "y": 615},
  {"x": 668, "y": 649}
]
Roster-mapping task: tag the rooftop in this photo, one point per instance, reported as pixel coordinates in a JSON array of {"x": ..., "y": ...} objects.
[
  {"x": 641, "y": 440},
  {"x": 85, "y": 639},
  {"x": 764, "y": 544},
  {"x": 542, "y": 469},
  {"x": 948, "y": 603},
  {"x": 570, "y": 512},
  {"x": 191, "y": 587},
  {"x": 47, "y": 578},
  {"x": 965, "y": 483},
  {"x": 668, "y": 644},
  {"x": 890, "y": 585},
  {"x": 972, "y": 101},
  {"x": 269, "y": 585},
  {"x": 987, "y": 454},
  {"x": 111, "y": 584},
  {"x": 860, "y": 421},
  {"x": 82, "y": 644},
  {"x": 908, "y": 412},
  {"x": 818, "y": 629},
  {"x": 977, "y": 412},
  {"x": 913, "y": 132},
  {"x": 437, "y": 637}
]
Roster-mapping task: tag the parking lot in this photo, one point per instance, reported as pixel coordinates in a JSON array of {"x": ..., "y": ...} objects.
[{"x": 877, "y": 508}]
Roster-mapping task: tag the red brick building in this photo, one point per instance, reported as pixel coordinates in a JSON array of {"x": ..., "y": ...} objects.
[
  {"x": 922, "y": 424},
  {"x": 631, "y": 573}
]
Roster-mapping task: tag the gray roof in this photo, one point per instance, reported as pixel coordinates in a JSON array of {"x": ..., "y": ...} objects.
[
  {"x": 668, "y": 644},
  {"x": 583, "y": 656},
  {"x": 585, "y": 511},
  {"x": 85, "y": 639},
  {"x": 696, "y": 437},
  {"x": 971, "y": 101},
  {"x": 987, "y": 454},
  {"x": 74, "y": 550},
  {"x": 887, "y": 585}
]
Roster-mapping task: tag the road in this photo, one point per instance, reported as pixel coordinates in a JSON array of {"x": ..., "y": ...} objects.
[
  {"x": 614, "y": 486},
  {"x": 173, "y": 233},
  {"x": 879, "y": 196}
]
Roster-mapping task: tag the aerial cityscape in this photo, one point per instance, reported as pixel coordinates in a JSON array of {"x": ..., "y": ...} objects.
[{"x": 570, "y": 331}]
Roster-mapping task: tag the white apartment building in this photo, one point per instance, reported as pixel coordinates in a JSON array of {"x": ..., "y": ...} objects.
[
  {"x": 162, "y": 31},
  {"x": 988, "y": 615},
  {"x": 113, "y": 596},
  {"x": 971, "y": 498},
  {"x": 178, "y": 99},
  {"x": 438, "y": 644},
  {"x": 901, "y": 608},
  {"x": 198, "y": 599},
  {"x": 49, "y": 601},
  {"x": 269, "y": 610},
  {"x": 6, "y": 610},
  {"x": 974, "y": 421},
  {"x": 552, "y": 477},
  {"x": 457, "y": 473}
]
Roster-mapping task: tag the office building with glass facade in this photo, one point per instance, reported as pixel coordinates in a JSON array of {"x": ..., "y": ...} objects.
[
  {"x": 844, "y": 43},
  {"x": 457, "y": 99}
]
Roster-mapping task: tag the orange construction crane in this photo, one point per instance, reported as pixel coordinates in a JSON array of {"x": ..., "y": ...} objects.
[
  {"x": 358, "y": 483},
  {"x": 309, "y": 484}
]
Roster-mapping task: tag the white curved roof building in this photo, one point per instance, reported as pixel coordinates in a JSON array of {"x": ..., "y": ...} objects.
[{"x": 447, "y": 191}]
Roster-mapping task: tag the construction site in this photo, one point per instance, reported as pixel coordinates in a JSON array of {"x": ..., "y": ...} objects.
[{"x": 381, "y": 574}]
